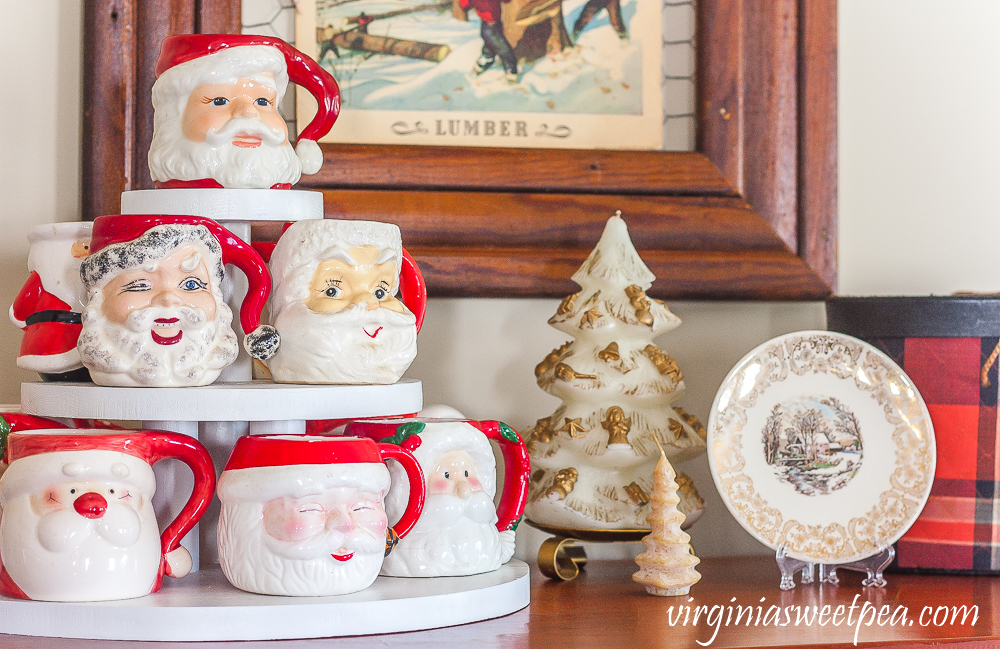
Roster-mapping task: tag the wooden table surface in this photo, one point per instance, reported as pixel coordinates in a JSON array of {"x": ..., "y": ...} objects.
[{"x": 605, "y": 608}]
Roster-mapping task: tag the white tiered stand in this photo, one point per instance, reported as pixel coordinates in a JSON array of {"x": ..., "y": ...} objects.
[{"x": 203, "y": 606}]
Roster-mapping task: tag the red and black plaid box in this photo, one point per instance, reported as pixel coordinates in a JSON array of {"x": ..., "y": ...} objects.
[{"x": 948, "y": 346}]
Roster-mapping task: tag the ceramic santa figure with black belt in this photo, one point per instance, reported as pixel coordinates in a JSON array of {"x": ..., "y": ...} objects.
[
  {"x": 49, "y": 304},
  {"x": 216, "y": 122}
]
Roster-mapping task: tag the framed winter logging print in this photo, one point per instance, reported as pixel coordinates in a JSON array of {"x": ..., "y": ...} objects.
[
  {"x": 579, "y": 74},
  {"x": 750, "y": 213}
]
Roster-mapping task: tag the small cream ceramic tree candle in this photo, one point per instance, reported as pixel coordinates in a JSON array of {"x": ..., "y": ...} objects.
[{"x": 667, "y": 565}]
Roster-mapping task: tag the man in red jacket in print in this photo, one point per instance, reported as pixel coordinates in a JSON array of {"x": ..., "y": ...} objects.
[{"x": 495, "y": 43}]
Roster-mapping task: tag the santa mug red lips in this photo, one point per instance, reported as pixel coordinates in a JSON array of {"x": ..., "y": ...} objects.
[
  {"x": 78, "y": 521},
  {"x": 155, "y": 314},
  {"x": 303, "y": 514}
]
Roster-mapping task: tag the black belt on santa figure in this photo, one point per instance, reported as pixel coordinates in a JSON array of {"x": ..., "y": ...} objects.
[{"x": 62, "y": 317}]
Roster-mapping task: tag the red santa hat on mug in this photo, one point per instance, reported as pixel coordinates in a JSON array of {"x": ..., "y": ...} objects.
[
  {"x": 123, "y": 242},
  {"x": 264, "y": 467},
  {"x": 189, "y": 60}
]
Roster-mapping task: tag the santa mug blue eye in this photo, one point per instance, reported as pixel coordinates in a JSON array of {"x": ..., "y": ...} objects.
[
  {"x": 261, "y": 101},
  {"x": 332, "y": 291},
  {"x": 380, "y": 293},
  {"x": 220, "y": 101}
]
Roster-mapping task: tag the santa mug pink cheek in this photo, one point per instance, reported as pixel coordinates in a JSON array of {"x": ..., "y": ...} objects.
[
  {"x": 77, "y": 516},
  {"x": 303, "y": 515},
  {"x": 460, "y": 531}
]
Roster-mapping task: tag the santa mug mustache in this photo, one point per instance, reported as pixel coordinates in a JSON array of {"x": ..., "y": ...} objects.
[
  {"x": 460, "y": 532},
  {"x": 76, "y": 514}
]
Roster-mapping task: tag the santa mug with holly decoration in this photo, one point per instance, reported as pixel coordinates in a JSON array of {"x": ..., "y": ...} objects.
[
  {"x": 304, "y": 514},
  {"x": 335, "y": 304},
  {"x": 460, "y": 531},
  {"x": 77, "y": 520},
  {"x": 155, "y": 314}
]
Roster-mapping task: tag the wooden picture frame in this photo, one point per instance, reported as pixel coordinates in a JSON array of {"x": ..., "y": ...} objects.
[{"x": 750, "y": 215}]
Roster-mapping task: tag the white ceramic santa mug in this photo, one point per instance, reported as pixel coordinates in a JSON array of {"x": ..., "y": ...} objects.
[
  {"x": 76, "y": 513},
  {"x": 460, "y": 531},
  {"x": 155, "y": 314},
  {"x": 335, "y": 303},
  {"x": 304, "y": 514}
]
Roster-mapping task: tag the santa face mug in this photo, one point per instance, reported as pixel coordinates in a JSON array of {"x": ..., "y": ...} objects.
[
  {"x": 304, "y": 514},
  {"x": 215, "y": 113},
  {"x": 460, "y": 531},
  {"x": 49, "y": 304},
  {"x": 335, "y": 304},
  {"x": 76, "y": 513},
  {"x": 155, "y": 314}
]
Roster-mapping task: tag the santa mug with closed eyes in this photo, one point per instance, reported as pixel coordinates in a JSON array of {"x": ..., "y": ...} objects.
[
  {"x": 76, "y": 514},
  {"x": 461, "y": 531},
  {"x": 335, "y": 303},
  {"x": 304, "y": 514}
]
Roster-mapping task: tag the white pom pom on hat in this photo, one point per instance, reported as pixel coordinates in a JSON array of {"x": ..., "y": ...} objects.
[{"x": 310, "y": 155}]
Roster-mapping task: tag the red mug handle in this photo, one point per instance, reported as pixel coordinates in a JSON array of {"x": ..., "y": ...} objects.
[
  {"x": 163, "y": 445},
  {"x": 517, "y": 473},
  {"x": 418, "y": 491},
  {"x": 412, "y": 289}
]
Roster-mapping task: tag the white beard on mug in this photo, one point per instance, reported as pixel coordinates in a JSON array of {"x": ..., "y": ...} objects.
[
  {"x": 454, "y": 536},
  {"x": 174, "y": 157},
  {"x": 334, "y": 347},
  {"x": 254, "y": 561},
  {"x": 72, "y": 550},
  {"x": 127, "y": 355}
]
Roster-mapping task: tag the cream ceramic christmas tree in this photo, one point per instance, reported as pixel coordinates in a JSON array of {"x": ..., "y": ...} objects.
[
  {"x": 593, "y": 458},
  {"x": 667, "y": 565}
]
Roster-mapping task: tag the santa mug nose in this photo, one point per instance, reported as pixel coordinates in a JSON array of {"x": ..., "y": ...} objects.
[{"x": 90, "y": 505}]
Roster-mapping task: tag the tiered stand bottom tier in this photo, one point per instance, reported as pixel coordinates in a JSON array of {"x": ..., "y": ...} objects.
[{"x": 203, "y": 605}]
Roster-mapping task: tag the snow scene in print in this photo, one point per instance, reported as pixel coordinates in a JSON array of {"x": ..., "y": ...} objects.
[
  {"x": 424, "y": 56},
  {"x": 813, "y": 444}
]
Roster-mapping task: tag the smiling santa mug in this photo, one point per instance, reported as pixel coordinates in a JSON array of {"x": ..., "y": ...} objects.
[
  {"x": 76, "y": 513},
  {"x": 335, "y": 306},
  {"x": 304, "y": 515},
  {"x": 216, "y": 122},
  {"x": 460, "y": 531},
  {"x": 155, "y": 313}
]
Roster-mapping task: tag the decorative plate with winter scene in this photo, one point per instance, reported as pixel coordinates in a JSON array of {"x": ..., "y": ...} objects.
[{"x": 820, "y": 443}]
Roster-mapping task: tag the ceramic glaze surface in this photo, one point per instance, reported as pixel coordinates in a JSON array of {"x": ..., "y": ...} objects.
[
  {"x": 77, "y": 518},
  {"x": 594, "y": 456},
  {"x": 49, "y": 304},
  {"x": 820, "y": 443},
  {"x": 155, "y": 313},
  {"x": 216, "y": 122},
  {"x": 335, "y": 304},
  {"x": 304, "y": 515},
  {"x": 460, "y": 531}
]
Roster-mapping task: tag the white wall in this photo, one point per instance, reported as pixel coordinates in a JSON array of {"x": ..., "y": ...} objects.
[
  {"x": 40, "y": 142},
  {"x": 919, "y": 162}
]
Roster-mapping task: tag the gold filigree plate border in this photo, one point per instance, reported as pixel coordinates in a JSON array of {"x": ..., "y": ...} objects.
[{"x": 872, "y": 373}]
